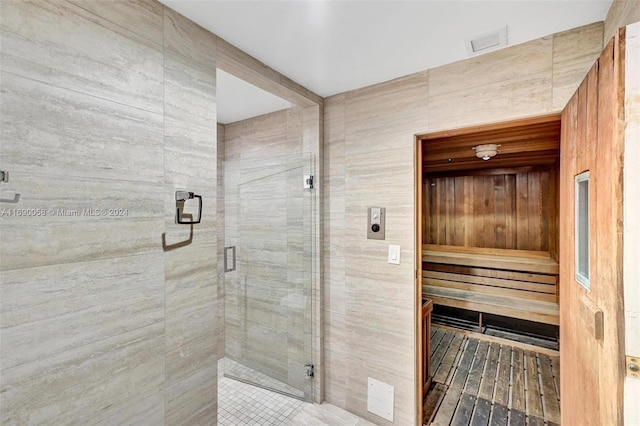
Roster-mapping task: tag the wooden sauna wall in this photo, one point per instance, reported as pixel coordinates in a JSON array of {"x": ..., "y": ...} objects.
[{"x": 512, "y": 209}]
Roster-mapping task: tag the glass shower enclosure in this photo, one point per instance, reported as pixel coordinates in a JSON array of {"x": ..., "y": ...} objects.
[{"x": 268, "y": 321}]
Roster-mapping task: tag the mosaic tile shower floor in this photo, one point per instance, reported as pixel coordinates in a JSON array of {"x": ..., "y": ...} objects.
[{"x": 242, "y": 404}]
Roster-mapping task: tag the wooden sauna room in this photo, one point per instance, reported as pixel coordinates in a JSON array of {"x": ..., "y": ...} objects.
[{"x": 488, "y": 229}]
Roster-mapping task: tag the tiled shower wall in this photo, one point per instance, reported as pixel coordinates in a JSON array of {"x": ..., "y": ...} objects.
[
  {"x": 107, "y": 105},
  {"x": 369, "y": 304},
  {"x": 268, "y": 298}
]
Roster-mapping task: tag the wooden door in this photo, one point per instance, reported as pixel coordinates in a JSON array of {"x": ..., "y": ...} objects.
[{"x": 591, "y": 321}]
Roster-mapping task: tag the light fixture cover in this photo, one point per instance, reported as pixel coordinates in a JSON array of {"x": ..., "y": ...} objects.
[
  {"x": 487, "y": 42},
  {"x": 486, "y": 151}
]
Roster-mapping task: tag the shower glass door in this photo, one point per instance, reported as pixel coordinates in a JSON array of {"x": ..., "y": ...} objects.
[{"x": 268, "y": 297}]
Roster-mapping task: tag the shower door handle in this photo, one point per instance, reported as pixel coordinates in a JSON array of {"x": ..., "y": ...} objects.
[{"x": 230, "y": 258}]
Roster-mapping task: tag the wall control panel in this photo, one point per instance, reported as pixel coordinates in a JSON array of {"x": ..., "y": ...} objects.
[{"x": 375, "y": 223}]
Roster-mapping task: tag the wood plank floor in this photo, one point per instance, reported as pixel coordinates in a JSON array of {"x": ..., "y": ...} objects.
[{"x": 482, "y": 382}]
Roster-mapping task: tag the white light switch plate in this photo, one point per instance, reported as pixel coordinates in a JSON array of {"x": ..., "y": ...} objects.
[
  {"x": 394, "y": 254},
  {"x": 380, "y": 397}
]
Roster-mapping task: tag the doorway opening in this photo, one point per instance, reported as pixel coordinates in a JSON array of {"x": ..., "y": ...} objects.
[
  {"x": 488, "y": 250},
  {"x": 268, "y": 242}
]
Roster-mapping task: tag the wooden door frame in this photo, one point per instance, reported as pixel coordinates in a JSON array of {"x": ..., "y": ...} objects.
[{"x": 417, "y": 276}]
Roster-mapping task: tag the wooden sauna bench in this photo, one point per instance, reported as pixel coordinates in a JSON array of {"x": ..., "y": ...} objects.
[{"x": 512, "y": 283}]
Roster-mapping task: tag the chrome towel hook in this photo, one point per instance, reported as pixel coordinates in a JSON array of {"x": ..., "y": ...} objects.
[{"x": 181, "y": 197}]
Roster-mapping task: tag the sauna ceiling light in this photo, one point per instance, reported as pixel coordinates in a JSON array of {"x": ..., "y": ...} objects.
[{"x": 486, "y": 151}]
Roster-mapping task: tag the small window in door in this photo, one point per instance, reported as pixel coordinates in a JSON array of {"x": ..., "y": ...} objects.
[{"x": 582, "y": 230}]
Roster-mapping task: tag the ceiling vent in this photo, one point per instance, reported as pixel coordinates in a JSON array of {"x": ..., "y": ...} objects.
[{"x": 487, "y": 42}]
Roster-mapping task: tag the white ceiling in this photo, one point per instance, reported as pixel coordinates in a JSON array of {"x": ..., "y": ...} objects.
[
  {"x": 238, "y": 100},
  {"x": 334, "y": 46}
]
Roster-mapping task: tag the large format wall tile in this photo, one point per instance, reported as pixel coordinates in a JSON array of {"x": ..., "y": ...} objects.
[
  {"x": 621, "y": 13},
  {"x": 190, "y": 154},
  {"x": 565, "y": 83},
  {"x": 86, "y": 383},
  {"x": 336, "y": 350},
  {"x": 48, "y": 310},
  {"x": 578, "y": 46},
  {"x": 510, "y": 99},
  {"x": 278, "y": 133},
  {"x": 533, "y": 57},
  {"x": 46, "y": 129},
  {"x": 574, "y": 53},
  {"x": 191, "y": 341},
  {"x": 129, "y": 220},
  {"x": 190, "y": 279},
  {"x": 369, "y": 172},
  {"x": 387, "y": 360},
  {"x": 189, "y": 40},
  {"x": 143, "y": 17},
  {"x": 190, "y": 92},
  {"x": 334, "y": 262},
  {"x": 392, "y": 111},
  {"x": 138, "y": 410},
  {"x": 192, "y": 331},
  {"x": 62, "y": 44},
  {"x": 194, "y": 400}
]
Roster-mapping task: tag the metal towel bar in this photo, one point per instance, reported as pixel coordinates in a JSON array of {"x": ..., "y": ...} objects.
[{"x": 181, "y": 197}]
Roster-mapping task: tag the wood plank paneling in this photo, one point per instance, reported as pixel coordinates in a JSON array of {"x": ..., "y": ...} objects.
[
  {"x": 510, "y": 260},
  {"x": 535, "y": 212},
  {"x": 499, "y": 185},
  {"x": 491, "y": 273},
  {"x": 460, "y": 211},
  {"x": 522, "y": 219},
  {"x": 494, "y": 291},
  {"x": 519, "y": 144},
  {"x": 508, "y": 211},
  {"x": 478, "y": 216},
  {"x": 432, "y": 275}
]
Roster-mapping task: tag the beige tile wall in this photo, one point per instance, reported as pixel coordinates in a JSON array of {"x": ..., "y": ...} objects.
[
  {"x": 369, "y": 161},
  {"x": 621, "y": 13},
  {"x": 107, "y": 105}
]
